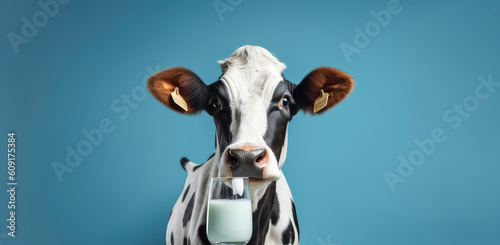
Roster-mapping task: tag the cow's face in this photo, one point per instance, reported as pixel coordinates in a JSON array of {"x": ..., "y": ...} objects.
[{"x": 252, "y": 104}]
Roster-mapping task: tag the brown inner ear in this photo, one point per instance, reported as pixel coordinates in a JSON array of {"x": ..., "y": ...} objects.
[
  {"x": 169, "y": 87},
  {"x": 335, "y": 82},
  {"x": 338, "y": 86},
  {"x": 191, "y": 89},
  {"x": 162, "y": 90},
  {"x": 332, "y": 84}
]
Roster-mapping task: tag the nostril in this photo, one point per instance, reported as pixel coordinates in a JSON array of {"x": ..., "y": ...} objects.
[
  {"x": 260, "y": 155},
  {"x": 232, "y": 158},
  {"x": 259, "y": 159}
]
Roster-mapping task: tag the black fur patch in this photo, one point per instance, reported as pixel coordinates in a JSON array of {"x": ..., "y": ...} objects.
[
  {"x": 202, "y": 234},
  {"x": 277, "y": 120},
  {"x": 275, "y": 215},
  {"x": 189, "y": 211},
  {"x": 291, "y": 88},
  {"x": 172, "y": 238},
  {"x": 222, "y": 115},
  {"x": 185, "y": 193},
  {"x": 262, "y": 216},
  {"x": 185, "y": 241},
  {"x": 288, "y": 236},
  {"x": 295, "y": 219},
  {"x": 184, "y": 161}
]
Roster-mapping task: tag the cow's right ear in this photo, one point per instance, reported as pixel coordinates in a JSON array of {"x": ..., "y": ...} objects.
[
  {"x": 165, "y": 84},
  {"x": 322, "y": 89}
]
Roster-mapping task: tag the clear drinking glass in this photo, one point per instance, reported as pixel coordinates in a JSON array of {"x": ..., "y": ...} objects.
[{"x": 229, "y": 216}]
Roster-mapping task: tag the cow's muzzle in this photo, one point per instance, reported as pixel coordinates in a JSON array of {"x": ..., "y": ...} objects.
[{"x": 247, "y": 162}]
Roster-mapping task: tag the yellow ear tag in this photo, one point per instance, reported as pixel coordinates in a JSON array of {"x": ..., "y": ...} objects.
[
  {"x": 178, "y": 99},
  {"x": 321, "y": 101}
]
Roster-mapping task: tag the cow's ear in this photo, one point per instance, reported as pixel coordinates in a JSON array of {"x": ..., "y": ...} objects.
[
  {"x": 334, "y": 82},
  {"x": 177, "y": 85}
]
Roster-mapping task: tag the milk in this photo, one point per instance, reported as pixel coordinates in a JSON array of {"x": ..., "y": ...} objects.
[{"x": 229, "y": 220}]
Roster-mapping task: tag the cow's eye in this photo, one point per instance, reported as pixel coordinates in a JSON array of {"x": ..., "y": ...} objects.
[
  {"x": 284, "y": 102},
  {"x": 215, "y": 104}
]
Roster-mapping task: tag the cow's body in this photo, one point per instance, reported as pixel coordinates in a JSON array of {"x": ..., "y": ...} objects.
[
  {"x": 187, "y": 223},
  {"x": 251, "y": 104}
]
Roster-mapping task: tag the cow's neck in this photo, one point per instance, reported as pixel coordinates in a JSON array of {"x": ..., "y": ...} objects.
[{"x": 262, "y": 203}]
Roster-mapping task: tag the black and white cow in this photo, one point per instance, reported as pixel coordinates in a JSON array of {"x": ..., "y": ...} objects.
[{"x": 251, "y": 104}]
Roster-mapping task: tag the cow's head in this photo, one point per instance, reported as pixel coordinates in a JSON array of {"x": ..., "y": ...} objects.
[{"x": 252, "y": 104}]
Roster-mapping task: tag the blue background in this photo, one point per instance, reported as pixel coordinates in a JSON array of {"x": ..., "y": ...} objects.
[{"x": 428, "y": 58}]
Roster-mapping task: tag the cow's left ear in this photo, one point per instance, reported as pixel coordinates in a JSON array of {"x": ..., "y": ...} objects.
[
  {"x": 334, "y": 82},
  {"x": 179, "y": 89}
]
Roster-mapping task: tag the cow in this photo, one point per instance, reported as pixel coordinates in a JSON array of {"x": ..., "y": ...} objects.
[{"x": 251, "y": 104}]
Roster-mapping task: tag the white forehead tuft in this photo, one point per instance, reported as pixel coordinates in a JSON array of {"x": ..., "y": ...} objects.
[
  {"x": 252, "y": 57},
  {"x": 251, "y": 70}
]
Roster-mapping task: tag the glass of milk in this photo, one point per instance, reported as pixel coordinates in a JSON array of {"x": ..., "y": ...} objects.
[{"x": 229, "y": 215}]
